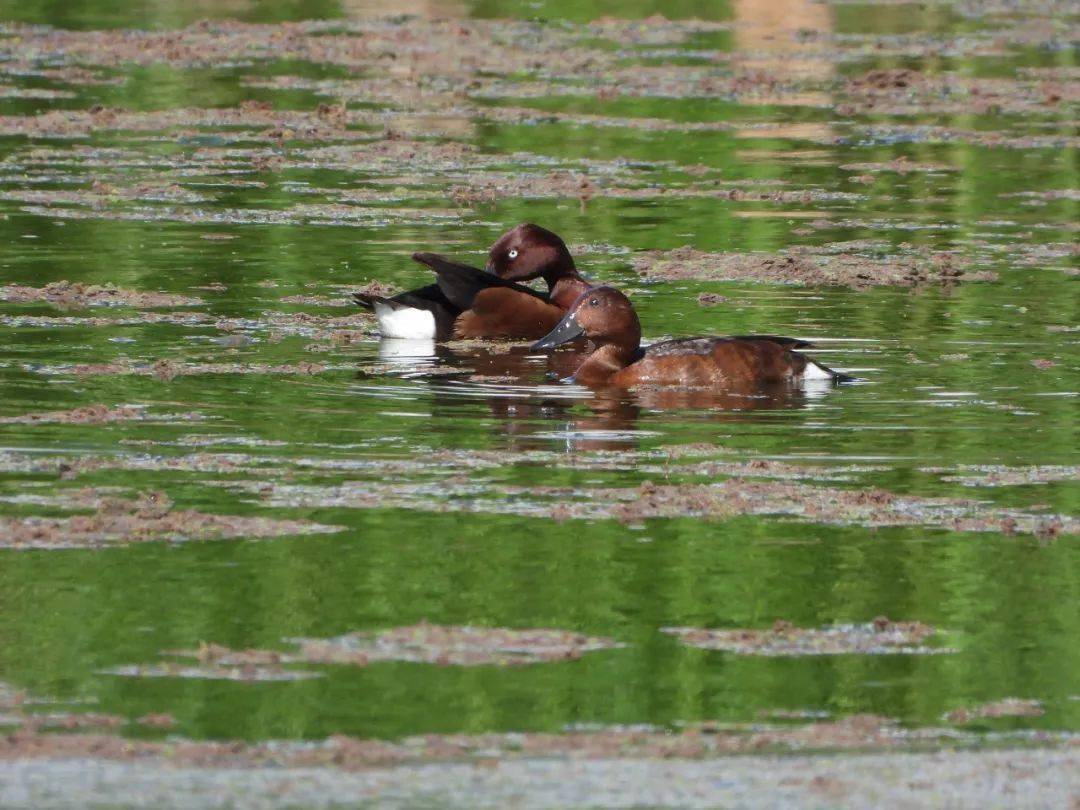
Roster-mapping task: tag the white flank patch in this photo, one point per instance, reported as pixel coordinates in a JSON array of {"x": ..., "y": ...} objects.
[
  {"x": 407, "y": 323},
  {"x": 815, "y": 372}
]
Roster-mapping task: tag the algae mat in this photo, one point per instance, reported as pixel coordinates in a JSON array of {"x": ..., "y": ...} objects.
[{"x": 228, "y": 512}]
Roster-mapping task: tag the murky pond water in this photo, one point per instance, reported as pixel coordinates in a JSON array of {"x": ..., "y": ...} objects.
[{"x": 896, "y": 182}]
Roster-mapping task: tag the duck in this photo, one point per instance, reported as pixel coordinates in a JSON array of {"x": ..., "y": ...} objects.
[
  {"x": 607, "y": 318},
  {"x": 466, "y": 302}
]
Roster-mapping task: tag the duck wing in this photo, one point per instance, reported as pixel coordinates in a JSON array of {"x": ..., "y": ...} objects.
[
  {"x": 748, "y": 359},
  {"x": 786, "y": 342},
  {"x": 705, "y": 345},
  {"x": 427, "y": 297},
  {"x": 812, "y": 368},
  {"x": 461, "y": 283}
]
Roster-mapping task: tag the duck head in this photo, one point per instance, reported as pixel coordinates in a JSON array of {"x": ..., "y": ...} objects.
[
  {"x": 529, "y": 251},
  {"x": 603, "y": 315}
]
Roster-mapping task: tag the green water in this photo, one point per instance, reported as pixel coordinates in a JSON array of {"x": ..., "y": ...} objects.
[{"x": 946, "y": 380}]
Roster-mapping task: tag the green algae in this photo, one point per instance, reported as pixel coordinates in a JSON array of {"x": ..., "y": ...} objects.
[{"x": 841, "y": 177}]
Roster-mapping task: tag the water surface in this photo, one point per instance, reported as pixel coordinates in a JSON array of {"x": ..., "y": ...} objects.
[{"x": 268, "y": 220}]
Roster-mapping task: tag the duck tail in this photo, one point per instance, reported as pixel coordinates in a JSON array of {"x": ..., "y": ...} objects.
[
  {"x": 399, "y": 320},
  {"x": 818, "y": 371},
  {"x": 365, "y": 301}
]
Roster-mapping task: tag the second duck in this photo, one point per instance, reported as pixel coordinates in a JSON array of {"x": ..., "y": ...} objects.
[
  {"x": 465, "y": 302},
  {"x": 606, "y": 317}
]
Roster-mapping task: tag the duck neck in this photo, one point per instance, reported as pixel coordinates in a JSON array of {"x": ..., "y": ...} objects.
[
  {"x": 564, "y": 291},
  {"x": 563, "y": 280},
  {"x": 604, "y": 362}
]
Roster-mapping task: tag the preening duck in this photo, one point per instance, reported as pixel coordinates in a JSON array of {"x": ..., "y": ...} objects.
[{"x": 466, "y": 302}]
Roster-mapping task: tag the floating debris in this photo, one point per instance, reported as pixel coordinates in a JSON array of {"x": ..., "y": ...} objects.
[
  {"x": 316, "y": 300},
  {"x": 794, "y": 714},
  {"x": 86, "y": 322},
  {"x": 880, "y": 637},
  {"x": 421, "y": 643},
  {"x": 69, "y": 721},
  {"x": 1007, "y": 707},
  {"x": 166, "y": 370},
  {"x": 460, "y": 646},
  {"x": 716, "y": 501},
  {"x": 991, "y": 475},
  {"x": 695, "y": 741},
  {"x": 149, "y": 518},
  {"x": 844, "y": 270},
  {"x": 11, "y": 697},
  {"x": 102, "y": 194},
  {"x": 900, "y": 165},
  {"x": 69, "y": 294},
  {"x": 69, "y": 467},
  {"x": 158, "y": 720},
  {"x": 99, "y": 415},
  {"x": 245, "y": 673},
  {"x": 901, "y": 91}
]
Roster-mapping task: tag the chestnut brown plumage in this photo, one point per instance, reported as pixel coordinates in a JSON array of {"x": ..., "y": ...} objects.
[
  {"x": 607, "y": 318},
  {"x": 465, "y": 302}
]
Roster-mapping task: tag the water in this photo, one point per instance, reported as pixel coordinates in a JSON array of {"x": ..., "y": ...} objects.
[{"x": 453, "y": 449}]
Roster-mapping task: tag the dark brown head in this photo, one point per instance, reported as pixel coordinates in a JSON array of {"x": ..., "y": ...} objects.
[
  {"x": 529, "y": 251},
  {"x": 603, "y": 315}
]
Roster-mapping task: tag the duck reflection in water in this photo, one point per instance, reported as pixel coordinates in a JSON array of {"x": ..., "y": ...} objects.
[{"x": 531, "y": 413}]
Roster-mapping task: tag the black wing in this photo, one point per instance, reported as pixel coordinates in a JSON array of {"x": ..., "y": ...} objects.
[
  {"x": 421, "y": 298},
  {"x": 786, "y": 342},
  {"x": 461, "y": 283}
]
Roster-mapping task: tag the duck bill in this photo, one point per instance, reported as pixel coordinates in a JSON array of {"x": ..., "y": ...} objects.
[{"x": 566, "y": 330}]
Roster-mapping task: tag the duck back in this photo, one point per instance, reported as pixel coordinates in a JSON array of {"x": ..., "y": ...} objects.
[{"x": 715, "y": 363}]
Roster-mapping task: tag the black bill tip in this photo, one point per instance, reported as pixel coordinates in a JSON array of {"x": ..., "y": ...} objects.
[{"x": 566, "y": 330}]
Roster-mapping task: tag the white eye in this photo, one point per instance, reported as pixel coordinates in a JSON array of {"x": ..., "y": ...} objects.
[{"x": 513, "y": 253}]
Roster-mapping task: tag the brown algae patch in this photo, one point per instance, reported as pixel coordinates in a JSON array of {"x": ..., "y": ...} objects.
[
  {"x": 316, "y": 300},
  {"x": 924, "y": 133},
  {"x": 990, "y": 475},
  {"x": 17, "y": 703},
  {"x": 483, "y": 187},
  {"x": 211, "y": 672},
  {"x": 461, "y": 646},
  {"x": 98, "y": 415},
  {"x": 72, "y": 295},
  {"x": 802, "y": 268},
  {"x": 149, "y": 518},
  {"x": 440, "y": 464},
  {"x": 865, "y": 507},
  {"x": 901, "y": 91},
  {"x": 69, "y": 467},
  {"x": 697, "y": 741},
  {"x": 900, "y": 165},
  {"x": 1007, "y": 707},
  {"x": 271, "y": 125},
  {"x": 880, "y": 637},
  {"x": 166, "y": 370},
  {"x": 86, "y": 321},
  {"x": 102, "y": 194},
  {"x": 64, "y": 721},
  {"x": 157, "y": 720},
  {"x": 311, "y": 214},
  {"x": 714, "y": 501},
  {"x": 420, "y": 643}
]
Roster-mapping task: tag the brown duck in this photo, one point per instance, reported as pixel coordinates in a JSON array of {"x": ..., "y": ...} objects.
[
  {"x": 605, "y": 316},
  {"x": 465, "y": 302}
]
